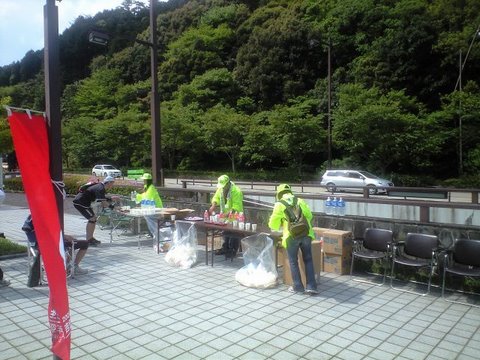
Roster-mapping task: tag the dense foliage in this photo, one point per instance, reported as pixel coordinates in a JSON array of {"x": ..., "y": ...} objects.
[{"x": 244, "y": 85}]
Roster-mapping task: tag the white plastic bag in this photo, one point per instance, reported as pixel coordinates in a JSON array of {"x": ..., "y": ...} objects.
[
  {"x": 258, "y": 256},
  {"x": 183, "y": 253}
]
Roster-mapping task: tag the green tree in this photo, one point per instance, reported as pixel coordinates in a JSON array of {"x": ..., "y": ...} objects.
[
  {"x": 383, "y": 132},
  {"x": 196, "y": 51},
  {"x": 273, "y": 64},
  {"x": 6, "y": 144},
  {"x": 182, "y": 141},
  {"x": 224, "y": 129},
  {"x": 298, "y": 133},
  {"x": 95, "y": 96},
  {"x": 216, "y": 86}
]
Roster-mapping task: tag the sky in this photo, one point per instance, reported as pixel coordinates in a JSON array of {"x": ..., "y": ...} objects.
[{"x": 21, "y": 23}]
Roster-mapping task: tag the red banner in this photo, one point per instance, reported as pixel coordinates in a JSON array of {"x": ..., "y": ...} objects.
[{"x": 30, "y": 139}]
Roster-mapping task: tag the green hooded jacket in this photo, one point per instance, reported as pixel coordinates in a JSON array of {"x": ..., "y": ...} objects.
[
  {"x": 232, "y": 202},
  {"x": 150, "y": 193},
  {"x": 278, "y": 219}
]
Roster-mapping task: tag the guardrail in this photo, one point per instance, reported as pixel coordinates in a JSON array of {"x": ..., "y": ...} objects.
[
  {"x": 420, "y": 193},
  {"x": 438, "y": 212}
]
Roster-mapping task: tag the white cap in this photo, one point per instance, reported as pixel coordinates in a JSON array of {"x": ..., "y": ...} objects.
[{"x": 108, "y": 179}]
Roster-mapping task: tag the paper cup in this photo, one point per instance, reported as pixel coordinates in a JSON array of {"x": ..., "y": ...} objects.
[
  {"x": 241, "y": 226},
  {"x": 247, "y": 226},
  {"x": 235, "y": 223},
  {"x": 254, "y": 227}
]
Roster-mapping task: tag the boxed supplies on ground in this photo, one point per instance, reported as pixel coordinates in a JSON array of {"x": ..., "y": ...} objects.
[
  {"x": 317, "y": 263},
  {"x": 217, "y": 242},
  {"x": 318, "y": 231},
  {"x": 337, "y": 264},
  {"x": 337, "y": 242}
]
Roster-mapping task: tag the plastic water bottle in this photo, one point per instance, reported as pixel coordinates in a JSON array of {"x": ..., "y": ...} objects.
[
  {"x": 206, "y": 216},
  {"x": 341, "y": 207},
  {"x": 328, "y": 206},
  {"x": 334, "y": 206}
]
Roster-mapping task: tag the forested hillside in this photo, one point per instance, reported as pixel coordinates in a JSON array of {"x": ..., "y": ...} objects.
[{"x": 244, "y": 86}]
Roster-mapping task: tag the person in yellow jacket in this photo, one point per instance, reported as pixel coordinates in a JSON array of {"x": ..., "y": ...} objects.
[
  {"x": 150, "y": 197},
  {"x": 229, "y": 198},
  {"x": 287, "y": 210}
]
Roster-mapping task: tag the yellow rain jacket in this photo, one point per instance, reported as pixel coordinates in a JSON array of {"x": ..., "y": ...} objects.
[
  {"x": 279, "y": 219},
  {"x": 232, "y": 202},
  {"x": 150, "y": 193}
]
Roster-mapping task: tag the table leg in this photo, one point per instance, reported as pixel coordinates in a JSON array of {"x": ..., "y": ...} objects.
[
  {"x": 158, "y": 236},
  {"x": 213, "y": 241},
  {"x": 206, "y": 247},
  {"x": 139, "y": 230},
  {"x": 111, "y": 228}
]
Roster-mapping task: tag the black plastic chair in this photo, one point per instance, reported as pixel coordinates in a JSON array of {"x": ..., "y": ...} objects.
[
  {"x": 418, "y": 251},
  {"x": 375, "y": 245},
  {"x": 462, "y": 260}
]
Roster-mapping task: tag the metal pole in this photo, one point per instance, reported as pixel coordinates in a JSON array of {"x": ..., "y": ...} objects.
[
  {"x": 52, "y": 98},
  {"x": 462, "y": 65},
  {"x": 460, "y": 136},
  {"x": 157, "y": 171},
  {"x": 52, "y": 101},
  {"x": 329, "y": 105}
]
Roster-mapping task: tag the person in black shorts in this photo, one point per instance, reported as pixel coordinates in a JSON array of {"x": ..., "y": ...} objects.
[
  {"x": 83, "y": 203},
  {"x": 68, "y": 242}
]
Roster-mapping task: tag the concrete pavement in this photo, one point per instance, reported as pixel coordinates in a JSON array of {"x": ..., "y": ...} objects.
[{"x": 133, "y": 305}]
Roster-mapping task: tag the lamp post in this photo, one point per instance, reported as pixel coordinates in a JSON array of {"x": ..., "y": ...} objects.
[
  {"x": 329, "y": 116},
  {"x": 52, "y": 97},
  {"x": 329, "y": 92},
  {"x": 101, "y": 38},
  {"x": 157, "y": 170},
  {"x": 458, "y": 84}
]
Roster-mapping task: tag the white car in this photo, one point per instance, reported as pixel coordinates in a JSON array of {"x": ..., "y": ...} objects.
[
  {"x": 335, "y": 180},
  {"x": 106, "y": 170}
]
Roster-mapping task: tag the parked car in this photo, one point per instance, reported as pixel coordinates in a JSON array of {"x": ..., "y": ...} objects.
[
  {"x": 335, "y": 180},
  {"x": 106, "y": 170}
]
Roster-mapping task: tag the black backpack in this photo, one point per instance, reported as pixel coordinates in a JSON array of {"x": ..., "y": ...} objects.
[
  {"x": 297, "y": 223},
  {"x": 84, "y": 187}
]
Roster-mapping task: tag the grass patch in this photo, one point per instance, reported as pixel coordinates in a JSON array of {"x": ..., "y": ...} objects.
[{"x": 8, "y": 247}]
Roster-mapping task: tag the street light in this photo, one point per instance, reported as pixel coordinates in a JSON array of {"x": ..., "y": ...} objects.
[
  {"x": 329, "y": 120},
  {"x": 52, "y": 97},
  {"x": 458, "y": 85},
  {"x": 101, "y": 38},
  {"x": 98, "y": 37},
  {"x": 329, "y": 91}
]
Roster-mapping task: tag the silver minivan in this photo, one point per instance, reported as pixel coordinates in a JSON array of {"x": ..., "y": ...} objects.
[{"x": 335, "y": 180}]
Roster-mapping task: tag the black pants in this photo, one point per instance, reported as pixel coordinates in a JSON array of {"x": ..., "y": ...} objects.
[{"x": 231, "y": 244}]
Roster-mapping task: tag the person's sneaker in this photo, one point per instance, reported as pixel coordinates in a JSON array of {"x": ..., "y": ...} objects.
[
  {"x": 311, "y": 292},
  {"x": 292, "y": 290},
  {"x": 93, "y": 242},
  {"x": 79, "y": 271},
  {"x": 4, "y": 283}
]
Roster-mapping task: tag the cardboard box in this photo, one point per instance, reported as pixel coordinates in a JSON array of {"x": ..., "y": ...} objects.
[
  {"x": 317, "y": 263},
  {"x": 318, "y": 231},
  {"x": 337, "y": 242},
  {"x": 217, "y": 242},
  {"x": 337, "y": 264}
]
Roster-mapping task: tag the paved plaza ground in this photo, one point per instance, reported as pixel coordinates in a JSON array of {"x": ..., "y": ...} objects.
[{"x": 133, "y": 305}]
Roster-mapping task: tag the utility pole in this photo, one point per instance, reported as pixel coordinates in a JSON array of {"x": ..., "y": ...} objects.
[
  {"x": 329, "y": 126},
  {"x": 52, "y": 98},
  {"x": 156, "y": 132}
]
